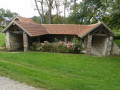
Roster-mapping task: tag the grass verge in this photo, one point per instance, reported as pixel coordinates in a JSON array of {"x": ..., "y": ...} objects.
[
  {"x": 62, "y": 71},
  {"x": 2, "y": 40}
]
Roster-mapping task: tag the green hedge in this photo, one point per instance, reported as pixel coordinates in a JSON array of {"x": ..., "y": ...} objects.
[{"x": 117, "y": 42}]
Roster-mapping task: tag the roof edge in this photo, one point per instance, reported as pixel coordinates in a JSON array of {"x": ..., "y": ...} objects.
[
  {"x": 13, "y": 22},
  {"x": 22, "y": 28},
  {"x": 91, "y": 30},
  {"x": 101, "y": 23}
]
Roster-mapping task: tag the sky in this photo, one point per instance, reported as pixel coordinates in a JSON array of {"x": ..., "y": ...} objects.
[{"x": 26, "y": 8}]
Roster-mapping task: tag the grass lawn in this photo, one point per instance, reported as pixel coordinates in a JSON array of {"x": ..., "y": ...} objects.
[
  {"x": 1, "y": 28},
  {"x": 62, "y": 71},
  {"x": 2, "y": 40}
]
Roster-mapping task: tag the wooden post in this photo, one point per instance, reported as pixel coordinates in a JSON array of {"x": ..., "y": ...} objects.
[
  {"x": 89, "y": 44},
  {"x": 25, "y": 42},
  {"x": 105, "y": 47},
  {"x": 65, "y": 39}
]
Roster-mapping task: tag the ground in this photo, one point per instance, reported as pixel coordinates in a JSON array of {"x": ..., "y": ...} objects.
[
  {"x": 7, "y": 84},
  {"x": 1, "y": 28},
  {"x": 2, "y": 40},
  {"x": 62, "y": 71}
]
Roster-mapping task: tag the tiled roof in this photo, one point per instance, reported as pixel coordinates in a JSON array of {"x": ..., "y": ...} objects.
[
  {"x": 27, "y": 20},
  {"x": 71, "y": 29},
  {"x": 68, "y": 29},
  {"x": 33, "y": 29}
]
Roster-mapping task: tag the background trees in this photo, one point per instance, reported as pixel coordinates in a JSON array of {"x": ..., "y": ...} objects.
[
  {"x": 7, "y": 13},
  {"x": 75, "y": 12}
]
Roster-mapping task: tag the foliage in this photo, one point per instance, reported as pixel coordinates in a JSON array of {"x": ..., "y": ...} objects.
[
  {"x": 57, "y": 19},
  {"x": 118, "y": 35},
  {"x": 87, "y": 12},
  {"x": 62, "y": 71},
  {"x": 70, "y": 47},
  {"x": 93, "y": 11},
  {"x": 112, "y": 19},
  {"x": 117, "y": 42},
  {"x": 2, "y": 40},
  {"x": 36, "y": 19},
  {"x": 7, "y": 13}
]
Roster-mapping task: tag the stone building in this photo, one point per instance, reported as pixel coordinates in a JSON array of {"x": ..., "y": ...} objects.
[
  {"x": 96, "y": 38},
  {"x": 4, "y": 21}
]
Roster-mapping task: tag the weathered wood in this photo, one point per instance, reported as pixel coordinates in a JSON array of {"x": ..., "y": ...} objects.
[
  {"x": 65, "y": 39},
  {"x": 100, "y": 35}
]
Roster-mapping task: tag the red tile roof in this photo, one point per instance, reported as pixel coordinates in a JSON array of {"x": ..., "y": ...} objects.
[
  {"x": 27, "y": 20},
  {"x": 33, "y": 29},
  {"x": 71, "y": 29}
]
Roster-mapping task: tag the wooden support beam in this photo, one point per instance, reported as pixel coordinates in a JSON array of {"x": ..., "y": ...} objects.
[
  {"x": 100, "y": 35},
  {"x": 25, "y": 42}
]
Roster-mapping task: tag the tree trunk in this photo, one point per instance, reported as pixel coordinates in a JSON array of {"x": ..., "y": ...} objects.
[
  {"x": 38, "y": 11},
  {"x": 50, "y": 11},
  {"x": 74, "y": 5},
  {"x": 43, "y": 17}
]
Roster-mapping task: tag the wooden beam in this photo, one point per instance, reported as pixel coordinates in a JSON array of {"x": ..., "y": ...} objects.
[{"x": 100, "y": 35}]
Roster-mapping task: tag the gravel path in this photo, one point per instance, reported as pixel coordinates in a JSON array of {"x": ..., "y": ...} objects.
[{"x": 7, "y": 84}]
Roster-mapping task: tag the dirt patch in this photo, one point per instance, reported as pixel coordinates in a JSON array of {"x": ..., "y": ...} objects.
[{"x": 7, "y": 84}]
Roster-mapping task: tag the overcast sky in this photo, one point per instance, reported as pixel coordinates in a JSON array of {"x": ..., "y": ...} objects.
[{"x": 24, "y": 7}]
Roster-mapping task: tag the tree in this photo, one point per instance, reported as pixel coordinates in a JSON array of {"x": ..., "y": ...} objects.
[
  {"x": 66, "y": 4},
  {"x": 57, "y": 19},
  {"x": 50, "y": 5},
  {"x": 7, "y": 13},
  {"x": 87, "y": 12},
  {"x": 112, "y": 19},
  {"x": 41, "y": 10},
  {"x": 36, "y": 19}
]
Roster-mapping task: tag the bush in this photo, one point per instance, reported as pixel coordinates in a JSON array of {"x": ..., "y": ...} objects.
[{"x": 70, "y": 47}]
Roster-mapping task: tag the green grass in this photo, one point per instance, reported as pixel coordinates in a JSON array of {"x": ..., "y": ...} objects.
[
  {"x": 62, "y": 71},
  {"x": 1, "y": 28},
  {"x": 118, "y": 42},
  {"x": 2, "y": 40}
]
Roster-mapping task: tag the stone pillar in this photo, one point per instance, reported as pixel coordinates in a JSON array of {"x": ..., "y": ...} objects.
[
  {"x": 105, "y": 47},
  {"x": 108, "y": 46},
  {"x": 25, "y": 42},
  {"x": 7, "y": 37},
  {"x": 65, "y": 39},
  {"x": 89, "y": 44}
]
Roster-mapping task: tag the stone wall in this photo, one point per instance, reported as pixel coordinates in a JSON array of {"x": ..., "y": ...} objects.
[
  {"x": 98, "y": 45},
  {"x": 25, "y": 41},
  {"x": 115, "y": 49},
  {"x": 7, "y": 38},
  {"x": 14, "y": 41},
  {"x": 109, "y": 45}
]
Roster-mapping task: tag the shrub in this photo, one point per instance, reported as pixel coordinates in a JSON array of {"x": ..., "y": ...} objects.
[{"x": 70, "y": 47}]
